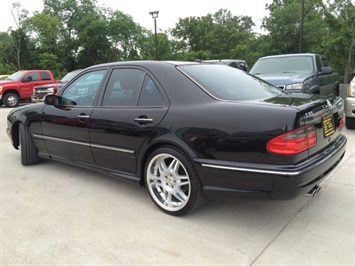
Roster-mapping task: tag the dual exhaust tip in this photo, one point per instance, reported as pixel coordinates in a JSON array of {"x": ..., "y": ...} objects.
[{"x": 313, "y": 191}]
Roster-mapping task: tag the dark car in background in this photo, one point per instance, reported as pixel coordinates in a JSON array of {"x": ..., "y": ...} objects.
[
  {"x": 236, "y": 63},
  {"x": 186, "y": 131},
  {"x": 40, "y": 91},
  {"x": 298, "y": 73}
]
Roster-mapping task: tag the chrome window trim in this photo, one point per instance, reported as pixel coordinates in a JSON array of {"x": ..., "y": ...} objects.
[{"x": 84, "y": 144}]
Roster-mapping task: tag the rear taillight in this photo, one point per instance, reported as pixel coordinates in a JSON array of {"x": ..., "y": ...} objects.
[
  {"x": 341, "y": 123},
  {"x": 293, "y": 142}
]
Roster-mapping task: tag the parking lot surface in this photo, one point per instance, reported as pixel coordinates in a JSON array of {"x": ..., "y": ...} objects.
[{"x": 58, "y": 214}]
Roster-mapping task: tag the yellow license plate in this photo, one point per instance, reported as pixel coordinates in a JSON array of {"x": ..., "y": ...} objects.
[{"x": 328, "y": 126}]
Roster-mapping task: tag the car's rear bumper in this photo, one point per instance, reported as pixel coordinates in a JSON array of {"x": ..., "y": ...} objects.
[
  {"x": 222, "y": 179},
  {"x": 350, "y": 106}
]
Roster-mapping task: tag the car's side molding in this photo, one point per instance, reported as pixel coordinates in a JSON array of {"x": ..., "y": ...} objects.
[
  {"x": 84, "y": 144},
  {"x": 252, "y": 170}
]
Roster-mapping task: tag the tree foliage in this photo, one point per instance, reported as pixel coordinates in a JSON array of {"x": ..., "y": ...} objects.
[
  {"x": 339, "y": 43},
  {"x": 72, "y": 34},
  {"x": 220, "y": 34}
]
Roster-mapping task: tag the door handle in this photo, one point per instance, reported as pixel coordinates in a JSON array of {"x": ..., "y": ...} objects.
[
  {"x": 143, "y": 120},
  {"x": 83, "y": 116}
]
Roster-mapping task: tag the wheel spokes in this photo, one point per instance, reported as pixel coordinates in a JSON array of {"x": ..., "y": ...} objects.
[{"x": 169, "y": 182}]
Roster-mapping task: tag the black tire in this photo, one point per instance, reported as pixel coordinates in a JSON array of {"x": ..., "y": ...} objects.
[
  {"x": 11, "y": 100},
  {"x": 29, "y": 154},
  {"x": 1, "y": 102},
  {"x": 350, "y": 122},
  {"x": 172, "y": 181}
]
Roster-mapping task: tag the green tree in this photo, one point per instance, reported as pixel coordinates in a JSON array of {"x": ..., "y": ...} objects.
[
  {"x": 284, "y": 24},
  {"x": 124, "y": 35},
  {"x": 218, "y": 35},
  {"x": 339, "y": 42},
  {"x": 18, "y": 50}
]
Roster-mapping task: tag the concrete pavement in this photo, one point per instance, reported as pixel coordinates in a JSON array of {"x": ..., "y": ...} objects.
[{"x": 56, "y": 214}]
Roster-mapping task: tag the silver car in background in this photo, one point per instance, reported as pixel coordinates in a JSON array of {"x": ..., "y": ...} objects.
[{"x": 350, "y": 106}]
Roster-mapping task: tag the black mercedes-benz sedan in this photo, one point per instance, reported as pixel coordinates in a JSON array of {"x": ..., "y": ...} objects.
[{"x": 186, "y": 131}]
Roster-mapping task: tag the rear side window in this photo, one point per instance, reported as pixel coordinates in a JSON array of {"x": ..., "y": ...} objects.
[
  {"x": 150, "y": 95},
  {"x": 44, "y": 75},
  {"x": 228, "y": 83}
]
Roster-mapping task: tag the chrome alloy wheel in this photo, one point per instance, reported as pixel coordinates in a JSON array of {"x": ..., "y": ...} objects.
[
  {"x": 12, "y": 101},
  {"x": 168, "y": 182}
]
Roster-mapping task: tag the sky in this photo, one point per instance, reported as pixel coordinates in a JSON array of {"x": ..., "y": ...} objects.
[{"x": 169, "y": 11}]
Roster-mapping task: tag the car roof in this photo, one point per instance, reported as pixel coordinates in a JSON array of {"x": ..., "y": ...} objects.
[
  {"x": 288, "y": 55},
  {"x": 224, "y": 60},
  {"x": 144, "y": 63}
]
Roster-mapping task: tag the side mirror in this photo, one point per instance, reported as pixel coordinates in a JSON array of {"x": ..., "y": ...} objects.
[
  {"x": 51, "y": 100},
  {"x": 326, "y": 70}
]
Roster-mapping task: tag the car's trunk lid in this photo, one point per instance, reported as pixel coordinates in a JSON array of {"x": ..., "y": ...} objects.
[{"x": 324, "y": 113}]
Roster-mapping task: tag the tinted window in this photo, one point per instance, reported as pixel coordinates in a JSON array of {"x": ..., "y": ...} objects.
[
  {"x": 324, "y": 62},
  {"x": 229, "y": 83},
  {"x": 150, "y": 95},
  {"x": 296, "y": 64},
  {"x": 123, "y": 87},
  {"x": 33, "y": 75},
  {"x": 44, "y": 75},
  {"x": 83, "y": 91}
]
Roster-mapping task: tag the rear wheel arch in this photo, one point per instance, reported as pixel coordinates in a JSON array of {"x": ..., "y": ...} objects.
[
  {"x": 172, "y": 181},
  {"x": 315, "y": 90},
  {"x": 150, "y": 150}
]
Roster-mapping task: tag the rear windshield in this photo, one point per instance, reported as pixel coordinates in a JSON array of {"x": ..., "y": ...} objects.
[
  {"x": 284, "y": 64},
  {"x": 228, "y": 83}
]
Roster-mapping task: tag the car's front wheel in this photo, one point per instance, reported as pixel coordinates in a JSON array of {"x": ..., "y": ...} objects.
[
  {"x": 172, "y": 181},
  {"x": 11, "y": 100},
  {"x": 29, "y": 154}
]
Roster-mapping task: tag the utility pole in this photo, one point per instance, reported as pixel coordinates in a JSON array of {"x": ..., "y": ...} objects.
[
  {"x": 154, "y": 15},
  {"x": 301, "y": 27}
]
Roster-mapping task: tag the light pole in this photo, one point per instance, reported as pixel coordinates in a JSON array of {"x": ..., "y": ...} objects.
[
  {"x": 154, "y": 15},
  {"x": 301, "y": 26}
]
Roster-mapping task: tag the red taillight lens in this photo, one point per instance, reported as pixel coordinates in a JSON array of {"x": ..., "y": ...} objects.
[
  {"x": 341, "y": 123},
  {"x": 294, "y": 141}
]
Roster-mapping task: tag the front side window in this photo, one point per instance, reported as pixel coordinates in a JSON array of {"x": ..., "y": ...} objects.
[
  {"x": 319, "y": 64},
  {"x": 33, "y": 76},
  {"x": 83, "y": 91}
]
